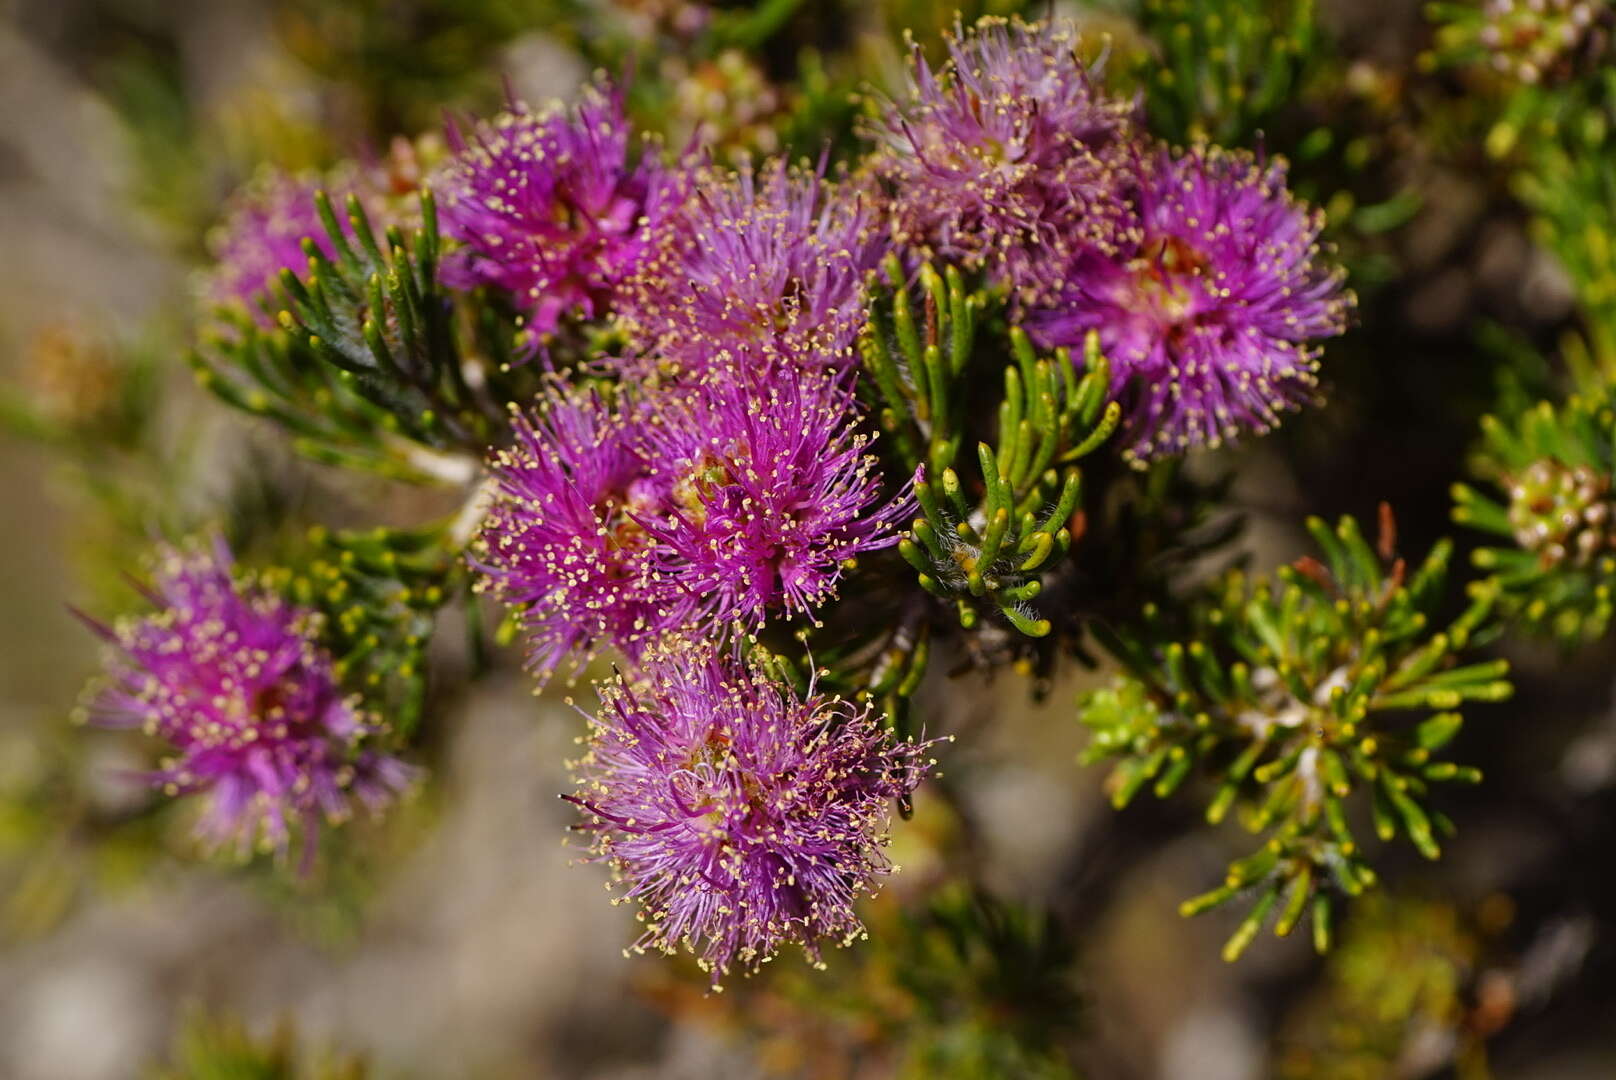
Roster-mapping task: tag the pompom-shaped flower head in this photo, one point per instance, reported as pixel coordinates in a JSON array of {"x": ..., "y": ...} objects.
[
  {"x": 262, "y": 234},
  {"x": 771, "y": 490},
  {"x": 233, "y": 678},
  {"x": 1008, "y": 157},
  {"x": 759, "y": 269},
  {"x": 737, "y": 815},
  {"x": 1209, "y": 318},
  {"x": 564, "y": 539},
  {"x": 554, "y": 207}
]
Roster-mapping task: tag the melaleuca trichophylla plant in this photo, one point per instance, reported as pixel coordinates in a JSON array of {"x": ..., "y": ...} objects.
[{"x": 770, "y": 437}]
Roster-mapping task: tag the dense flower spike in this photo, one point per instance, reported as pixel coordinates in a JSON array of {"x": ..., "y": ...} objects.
[
  {"x": 232, "y": 677},
  {"x": 1008, "y": 157},
  {"x": 563, "y": 539},
  {"x": 771, "y": 492},
  {"x": 738, "y": 816},
  {"x": 762, "y": 268},
  {"x": 552, "y": 207},
  {"x": 261, "y": 235},
  {"x": 1208, "y": 319}
]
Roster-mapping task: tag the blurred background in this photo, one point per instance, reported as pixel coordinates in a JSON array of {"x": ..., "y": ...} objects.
[{"x": 456, "y": 939}]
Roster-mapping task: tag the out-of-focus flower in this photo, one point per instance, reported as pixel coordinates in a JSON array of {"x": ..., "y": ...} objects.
[
  {"x": 555, "y": 207},
  {"x": 1209, "y": 318},
  {"x": 1008, "y": 157},
  {"x": 726, "y": 103},
  {"x": 761, "y": 270},
  {"x": 262, "y": 233},
  {"x": 739, "y": 817},
  {"x": 565, "y": 540},
  {"x": 771, "y": 491},
  {"x": 233, "y": 678}
]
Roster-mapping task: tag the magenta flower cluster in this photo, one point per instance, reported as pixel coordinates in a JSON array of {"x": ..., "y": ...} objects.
[
  {"x": 761, "y": 269},
  {"x": 713, "y": 480},
  {"x": 730, "y": 481},
  {"x": 233, "y": 679},
  {"x": 705, "y": 508},
  {"x": 555, "y": 208},
  {"x": 739, "y": 816},
  {"x": 566, "y": 541},
  {"x": 724, "y": 481},
  {"x": 1008, "y": 159},
  {"x": 1209, "y": 313},
  {"x": 772, "y": 493},
  {"x": 1203, "y": 277}
]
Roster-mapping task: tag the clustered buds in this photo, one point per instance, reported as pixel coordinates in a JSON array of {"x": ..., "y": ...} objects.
[
  {"x": 1527, "y": 41},
  {"x": 1563, "y": 513},
  {"x": 1554, "y": 470}
]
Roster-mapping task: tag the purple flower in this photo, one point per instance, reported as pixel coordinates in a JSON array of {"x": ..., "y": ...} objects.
[
  {"x": 760, "y": 269},
  {"x": 549, "y": 207},
  {"x": 770, "y": 492},
  {"x": 232, "y": 678},
  {"x": 1208, "y": 319},
  {"x": 564, "y": 538},
  {"x": 262, "y": 234},
  {"x": 738, "y": 816},
  {"x": 1008, "y": 158},
  {"x": 713, "y": 504}
]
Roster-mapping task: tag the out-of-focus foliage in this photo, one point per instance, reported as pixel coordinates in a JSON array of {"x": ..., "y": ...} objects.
[
  {"x": 1568, "y": 182},
  {"x": 1398, "y": 998},
  {"x": 1223, "y": 71},
  {"x": 963, "y": 985},
  {"x": 221, "y": 1048}
]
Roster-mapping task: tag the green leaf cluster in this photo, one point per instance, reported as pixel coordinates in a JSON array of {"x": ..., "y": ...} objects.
[
  {"x": 209, "y": 1047},
  {"x": 983, "y": 539},
  {"x": 1311, "y": 701},
  {"x": 1222, "y": 69},
  {"x": 369, "y": 369}
]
